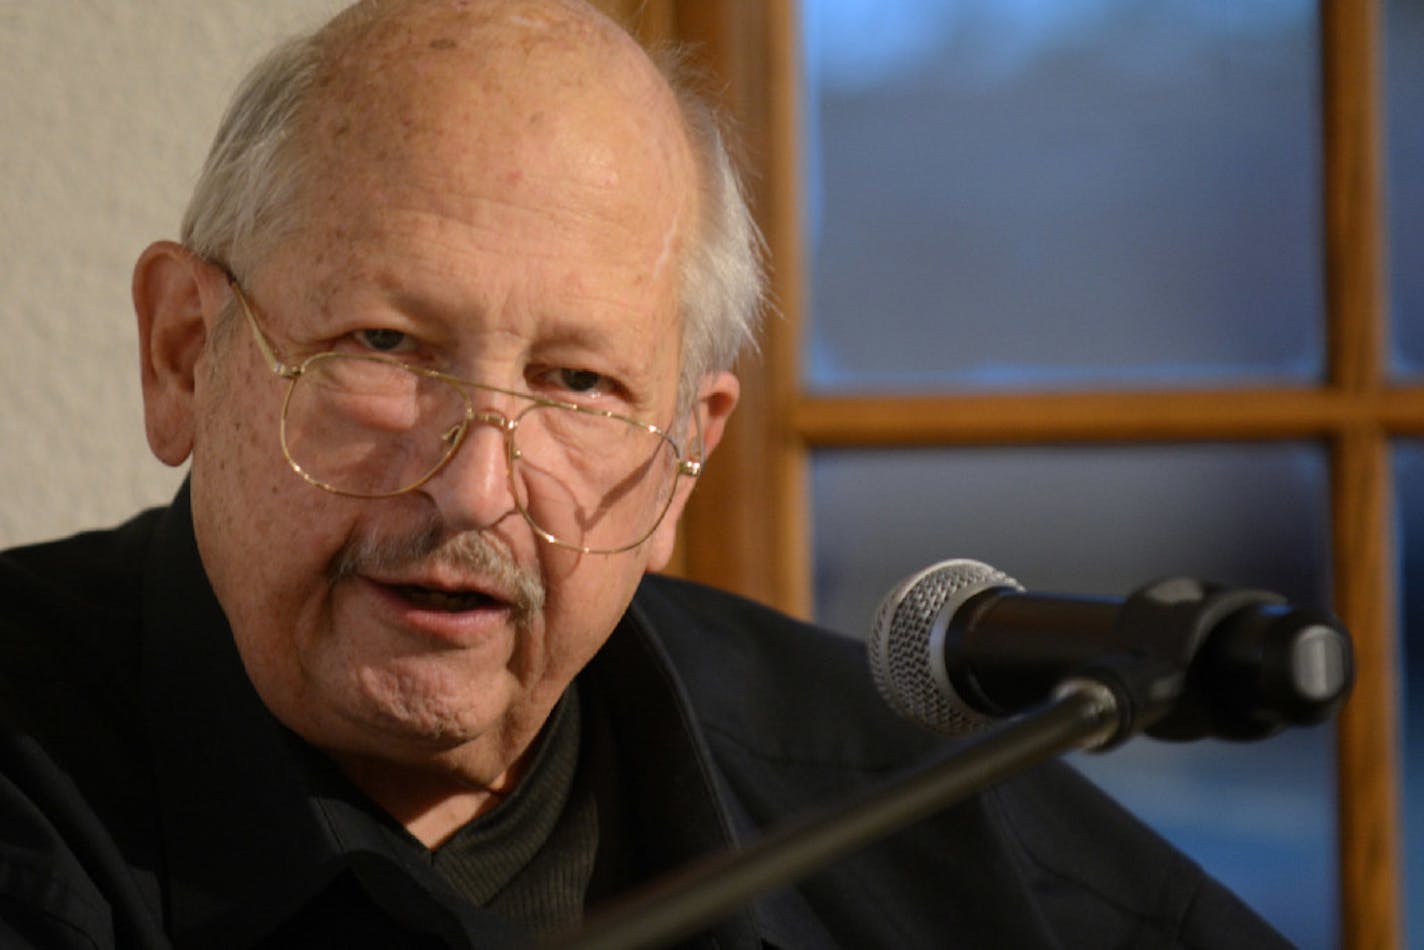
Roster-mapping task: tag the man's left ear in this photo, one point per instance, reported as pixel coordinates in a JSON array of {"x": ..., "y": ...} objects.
[{"x": 716, "y": 398}]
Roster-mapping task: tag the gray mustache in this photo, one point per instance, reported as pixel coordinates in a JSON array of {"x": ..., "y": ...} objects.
[{"x": 429, "y": 545}]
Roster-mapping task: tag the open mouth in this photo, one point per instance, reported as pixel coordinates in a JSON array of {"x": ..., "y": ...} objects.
[{"x": 447, "y": 601}]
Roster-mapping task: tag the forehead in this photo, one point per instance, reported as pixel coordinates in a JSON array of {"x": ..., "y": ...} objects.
[
  {"x": 484, "y": 88},
  {"x": 494, "y": 118}
]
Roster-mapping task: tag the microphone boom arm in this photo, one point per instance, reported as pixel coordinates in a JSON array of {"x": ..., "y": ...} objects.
[{"x": 1082, "y": 714}]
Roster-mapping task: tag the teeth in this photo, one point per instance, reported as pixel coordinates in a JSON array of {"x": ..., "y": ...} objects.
[{"x": 445, "y": 600}]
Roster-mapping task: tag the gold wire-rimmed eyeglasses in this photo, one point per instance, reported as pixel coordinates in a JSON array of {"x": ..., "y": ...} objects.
[{"x": 370, "y": 426}]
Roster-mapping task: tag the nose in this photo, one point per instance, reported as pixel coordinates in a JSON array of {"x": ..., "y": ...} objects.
[{"x": 472, "y": 489}]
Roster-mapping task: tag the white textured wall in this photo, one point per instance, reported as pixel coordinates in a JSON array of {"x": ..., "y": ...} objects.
[{"x": 106, "y": 110}]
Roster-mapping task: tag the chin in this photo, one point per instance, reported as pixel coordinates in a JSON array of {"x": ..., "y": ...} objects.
[{"x": 435, "y": 709}]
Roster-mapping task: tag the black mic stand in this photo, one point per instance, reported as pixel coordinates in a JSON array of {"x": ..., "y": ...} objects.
[{"x": 1084, "y": 713}]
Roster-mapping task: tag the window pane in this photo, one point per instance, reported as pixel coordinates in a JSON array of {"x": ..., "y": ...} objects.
[
  {"x": 1409, "y": 481},
  {"x": 1259, "y": 816},
  {"x": 1404, "y": 84},
  {"x": 1058, "y": 195}
]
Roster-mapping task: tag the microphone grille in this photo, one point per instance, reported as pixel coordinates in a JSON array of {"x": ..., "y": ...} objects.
[{"x": 906, "y": 643}]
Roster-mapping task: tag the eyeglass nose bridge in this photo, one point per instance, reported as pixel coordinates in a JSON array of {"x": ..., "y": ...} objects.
[
  {"x": 494, "y": 418},
  {"x": 456, "y": 434}
]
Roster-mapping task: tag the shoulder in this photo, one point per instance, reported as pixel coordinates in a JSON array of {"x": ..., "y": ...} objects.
[
  {"x": 1093, "y": 864},
  {"x": 95, "y": 572},
  {"x": 73, "y": 772},
  {"x": 793, "y": 720},
  {"x": 778, "y": 687},
  {"x": 70, "y": 642},
  {"x": 71, "y": 606}
]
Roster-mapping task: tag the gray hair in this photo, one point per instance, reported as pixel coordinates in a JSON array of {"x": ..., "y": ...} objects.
[{"x": 247, "y": 198}]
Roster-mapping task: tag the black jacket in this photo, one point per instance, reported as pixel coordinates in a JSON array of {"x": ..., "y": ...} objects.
[{"x": 148, "y": 799}]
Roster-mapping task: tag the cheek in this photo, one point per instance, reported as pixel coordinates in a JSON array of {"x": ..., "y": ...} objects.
[
  {"x": 260, "y": 526},
  {"x": 237, "y": 462},
  {"x": 586, "y": 598}
]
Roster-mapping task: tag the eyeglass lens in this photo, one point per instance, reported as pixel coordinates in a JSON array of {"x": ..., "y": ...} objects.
[{"x": 370, "y": 427}]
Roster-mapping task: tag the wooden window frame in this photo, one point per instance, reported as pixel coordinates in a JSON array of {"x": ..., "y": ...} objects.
[{"x": 747, "y": 528}]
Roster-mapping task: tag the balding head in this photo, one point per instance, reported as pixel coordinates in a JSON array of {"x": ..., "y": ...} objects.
[
  {"x": 400, "y": 76},
  {"x": 419, "y": 71}
]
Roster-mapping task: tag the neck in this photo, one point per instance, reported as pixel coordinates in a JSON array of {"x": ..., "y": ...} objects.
[{"x": 432, "y": 804}]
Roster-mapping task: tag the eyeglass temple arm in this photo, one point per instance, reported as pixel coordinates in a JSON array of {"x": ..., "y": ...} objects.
[
  {"x": 692, "y": 467},
  {"x": 263, "y": 345}
]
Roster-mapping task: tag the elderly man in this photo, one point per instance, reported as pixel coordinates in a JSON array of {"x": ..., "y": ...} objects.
[{"x": 446, "y": 342}]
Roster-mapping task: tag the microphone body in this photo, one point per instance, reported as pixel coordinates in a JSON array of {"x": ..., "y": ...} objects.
[{"x": 959, "y": 645}]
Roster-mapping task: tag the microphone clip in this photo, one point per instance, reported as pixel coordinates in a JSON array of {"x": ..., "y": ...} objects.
[{"x": 1190, "y": 659}]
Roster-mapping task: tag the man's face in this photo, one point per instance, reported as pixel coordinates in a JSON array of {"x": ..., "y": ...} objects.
[{"x": 506, "y": 227}]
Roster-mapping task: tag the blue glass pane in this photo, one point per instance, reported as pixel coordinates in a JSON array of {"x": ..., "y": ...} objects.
[
  {"x": 1043, "y": 194},
  {"x": 1404, "y": 84},
  {"x": 1409, "y": 493},
  {"x": 1261, "y": 816}
]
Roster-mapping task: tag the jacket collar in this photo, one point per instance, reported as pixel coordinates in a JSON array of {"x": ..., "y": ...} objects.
[{"x": 705, "y": 809}]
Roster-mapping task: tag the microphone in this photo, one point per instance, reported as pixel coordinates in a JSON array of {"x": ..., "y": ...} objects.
[{"x": 959, "y": 645}]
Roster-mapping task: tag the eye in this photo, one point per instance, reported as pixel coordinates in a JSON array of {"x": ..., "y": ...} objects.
[
  {"x": 382, "y": 340},
  {"x": 580, "y": 380},
  {"x": 564, "y": 382}
]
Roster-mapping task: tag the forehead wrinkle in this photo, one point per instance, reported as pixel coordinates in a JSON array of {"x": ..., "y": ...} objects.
[
  {"x": 580, "y": 179},
  {"x": 488, "y": 226},
  {"x": 407, "y": 272}
]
